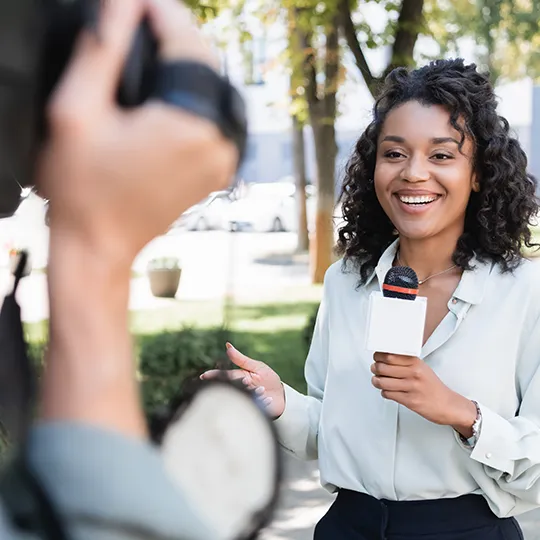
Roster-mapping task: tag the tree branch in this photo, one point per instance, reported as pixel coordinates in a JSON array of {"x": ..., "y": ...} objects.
[
  {"x": 409, "y": 25},
  {"x": 309, "y": 61},
  {"x": 349, "y": 31},
  {"x": 332, "y": 62}
]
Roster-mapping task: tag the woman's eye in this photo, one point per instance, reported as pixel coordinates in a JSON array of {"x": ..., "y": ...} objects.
[
  {"x": 393, "y": 154},
  {"x": 442, "y": 157}
]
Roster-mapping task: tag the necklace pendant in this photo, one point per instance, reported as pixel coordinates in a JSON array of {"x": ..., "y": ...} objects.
[{"x": 421, "y": 281}]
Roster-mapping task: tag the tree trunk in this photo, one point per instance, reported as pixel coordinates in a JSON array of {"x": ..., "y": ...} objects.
[
  {"x": 299, "y": 154},
  {"x": 410, "y": 23},
  {"x": 322, "y": 106},
  {"x": 326, "y": 151}
]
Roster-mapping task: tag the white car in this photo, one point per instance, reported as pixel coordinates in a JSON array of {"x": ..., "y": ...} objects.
[
  {"x": 209, "y": 214},
  {"x": 269, "y": 208}
]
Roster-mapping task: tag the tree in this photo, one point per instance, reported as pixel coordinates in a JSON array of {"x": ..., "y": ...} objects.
[
  {"x": 317, "y": 72},
  {"x": 298, "y": 116},
  {"x": 315, "y": 52},
  {"x": 405, "y": 23},
  {"x": 505, "y": 32},
  {"x": 316, "y": 28}
]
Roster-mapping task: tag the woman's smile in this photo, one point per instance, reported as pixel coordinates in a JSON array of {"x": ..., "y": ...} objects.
[{"x": 416, "y": 201}]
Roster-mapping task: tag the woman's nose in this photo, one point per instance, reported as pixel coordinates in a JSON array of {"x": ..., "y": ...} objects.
[{"x": 416, "y": 170}]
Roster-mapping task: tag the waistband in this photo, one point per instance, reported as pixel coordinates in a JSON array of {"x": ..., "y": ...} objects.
[{"x": 414, "y": 517}]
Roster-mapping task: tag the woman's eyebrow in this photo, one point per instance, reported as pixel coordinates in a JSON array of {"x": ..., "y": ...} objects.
[
  {"x": 435, "y": 140},
  {"x": 442, "y": 140},
  {"x": 394, "y": 138}
]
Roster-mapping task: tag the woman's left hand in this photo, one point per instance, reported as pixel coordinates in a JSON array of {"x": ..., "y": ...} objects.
[{"x": 409, "y": 381}]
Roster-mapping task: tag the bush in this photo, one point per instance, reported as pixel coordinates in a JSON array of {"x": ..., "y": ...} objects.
[
  {"x": 169, "y": 360},
  {"x": 166, "y": 361}
]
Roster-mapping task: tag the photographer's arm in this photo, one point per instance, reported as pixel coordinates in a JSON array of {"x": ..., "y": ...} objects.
[{"x": 115, "y": 179}]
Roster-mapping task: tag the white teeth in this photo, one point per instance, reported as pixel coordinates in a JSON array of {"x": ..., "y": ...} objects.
[{"x": 424, "y": 199}]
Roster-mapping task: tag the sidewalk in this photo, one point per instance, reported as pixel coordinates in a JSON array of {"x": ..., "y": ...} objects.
[{"x": 302, "y": 502}]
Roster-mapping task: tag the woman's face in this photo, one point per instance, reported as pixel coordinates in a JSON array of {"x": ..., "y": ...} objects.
[{"x": 422, "y": 180}]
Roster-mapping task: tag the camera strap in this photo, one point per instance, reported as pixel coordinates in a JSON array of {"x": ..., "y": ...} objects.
[{"x": 24, "y": 498}]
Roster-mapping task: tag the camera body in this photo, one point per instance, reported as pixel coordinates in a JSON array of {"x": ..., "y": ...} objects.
[{"x": 36, "y": 41}]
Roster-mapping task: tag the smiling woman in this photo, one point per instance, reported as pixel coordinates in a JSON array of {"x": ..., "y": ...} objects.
[
  {"x": 436, "y": 135},
  {"x": 446, "y": 445}
]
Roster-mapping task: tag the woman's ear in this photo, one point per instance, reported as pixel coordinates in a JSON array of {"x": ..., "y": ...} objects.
[{"x": 475, "y": 184}]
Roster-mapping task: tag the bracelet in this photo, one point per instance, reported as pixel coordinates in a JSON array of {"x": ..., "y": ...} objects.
[{"x": 475, "y": 428}]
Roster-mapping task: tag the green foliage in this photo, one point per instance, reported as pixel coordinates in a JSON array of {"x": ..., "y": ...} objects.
[
  {"x": 207, "y": 9},
  {"x": 168, "y": 360},
  {"x": 506, "y": 33},
  {"x": 273, "y": 333}
]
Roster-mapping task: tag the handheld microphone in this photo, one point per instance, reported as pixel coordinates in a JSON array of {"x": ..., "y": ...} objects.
[{"x": 397, "y": 316}]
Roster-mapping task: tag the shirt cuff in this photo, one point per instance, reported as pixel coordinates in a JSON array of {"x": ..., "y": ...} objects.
[
  {"x": 111, "y": 479},
  {"x": 491, "y": 447},
  {"x": 293, "y": 424}
]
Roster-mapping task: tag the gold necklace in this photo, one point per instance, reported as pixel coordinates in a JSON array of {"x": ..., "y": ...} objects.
[{"x": 422, "y": 281}]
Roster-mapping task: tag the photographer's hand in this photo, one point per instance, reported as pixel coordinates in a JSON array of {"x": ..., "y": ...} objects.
[{"x": 115, "y": 179}]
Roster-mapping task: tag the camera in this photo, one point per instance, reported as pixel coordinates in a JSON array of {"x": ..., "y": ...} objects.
[{"x": 36, "y": 41}]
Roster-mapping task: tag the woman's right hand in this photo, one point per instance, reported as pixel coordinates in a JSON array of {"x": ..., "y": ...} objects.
[{"x": 256, "y": 376}]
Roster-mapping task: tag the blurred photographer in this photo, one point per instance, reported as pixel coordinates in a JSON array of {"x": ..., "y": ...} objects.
[{"x": 116, "y": 179}]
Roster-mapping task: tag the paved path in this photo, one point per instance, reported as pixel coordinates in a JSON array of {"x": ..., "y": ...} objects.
[{"x": 302, "y": 502}]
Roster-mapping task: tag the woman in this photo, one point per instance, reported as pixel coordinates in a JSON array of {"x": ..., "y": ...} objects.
[{"x": 446, "y": 445}]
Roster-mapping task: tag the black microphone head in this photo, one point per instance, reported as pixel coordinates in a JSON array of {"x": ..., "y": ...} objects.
[{"x": 401, "y": 282}]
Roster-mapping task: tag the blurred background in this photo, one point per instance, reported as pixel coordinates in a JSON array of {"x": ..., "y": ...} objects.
[{"x": 250, "y": 260}]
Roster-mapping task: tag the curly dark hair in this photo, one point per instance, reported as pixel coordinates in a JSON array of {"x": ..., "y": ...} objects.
[{"x": 498, "y": 216}]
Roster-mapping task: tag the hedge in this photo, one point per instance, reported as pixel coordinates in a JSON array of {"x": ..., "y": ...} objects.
[{"x": 167, "y": 360}]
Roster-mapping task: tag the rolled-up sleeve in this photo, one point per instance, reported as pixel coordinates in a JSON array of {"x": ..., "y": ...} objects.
[
  {"x": 110, "y": 487},
  {"x": 507, "y": 451}
]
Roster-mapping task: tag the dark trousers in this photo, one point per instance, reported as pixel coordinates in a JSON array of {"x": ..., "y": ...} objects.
[{"x": 355, "y": 516}]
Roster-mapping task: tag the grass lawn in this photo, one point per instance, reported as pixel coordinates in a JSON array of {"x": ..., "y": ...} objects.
[{"x": 268, "y": 331}]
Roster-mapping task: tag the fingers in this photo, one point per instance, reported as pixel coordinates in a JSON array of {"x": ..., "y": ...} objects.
[
  {"x": 398, "y": 397},
  {"x": 233, "y": 374},
  {"x": 388, "y": 370},
  {"x": 250, "y": 380},
  {"x": 388, "y": 384},
  {"x": 241, "y": 360},
  {"x": 394, "y": 359},
  {"x": 176, "y": 30},
  {"x": 91, "y": 78}
]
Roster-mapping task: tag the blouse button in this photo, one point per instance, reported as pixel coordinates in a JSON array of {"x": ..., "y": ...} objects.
[{"x": 489, "y": 455}]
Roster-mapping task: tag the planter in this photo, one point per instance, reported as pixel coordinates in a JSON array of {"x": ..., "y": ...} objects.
[{"x": 164, "y": 281}]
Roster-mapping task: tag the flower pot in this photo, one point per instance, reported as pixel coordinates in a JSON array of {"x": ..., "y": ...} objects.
[{"x": 164, "y": 281}]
